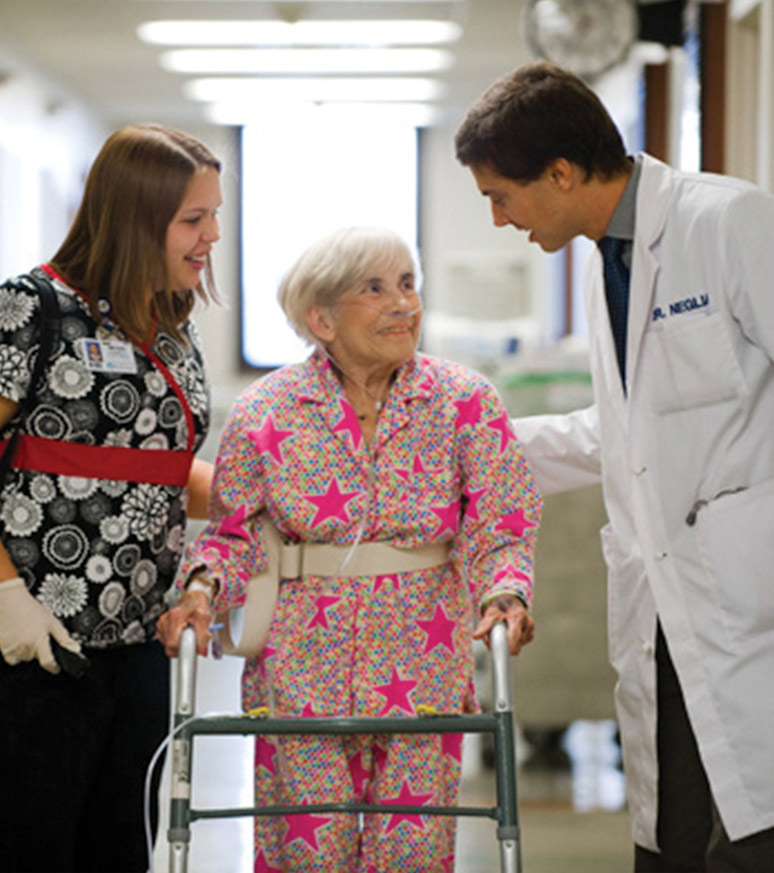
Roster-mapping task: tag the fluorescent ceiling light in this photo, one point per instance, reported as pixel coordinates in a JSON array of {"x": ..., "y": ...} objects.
[
  {"x": 306, "y": 60},
  {"x": 317, "y": 90},
  {"x": 240, "y": 112},
  {"x": 309, "y": 2},
  {"x": 299, "y": 33}
]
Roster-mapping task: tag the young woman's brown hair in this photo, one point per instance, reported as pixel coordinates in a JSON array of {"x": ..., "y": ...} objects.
[{"x": 116, "y": 245}]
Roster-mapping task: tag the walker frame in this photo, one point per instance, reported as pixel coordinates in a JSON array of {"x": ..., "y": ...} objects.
[{"x": 499, "y": 724}]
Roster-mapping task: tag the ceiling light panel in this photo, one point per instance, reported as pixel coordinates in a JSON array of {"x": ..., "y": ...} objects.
[
  {"x": 284, "y": 61},
  {"x": 240, "y": 112},
  {"x": 299, "y": 33},
  {"x": 362, "y": 89}
]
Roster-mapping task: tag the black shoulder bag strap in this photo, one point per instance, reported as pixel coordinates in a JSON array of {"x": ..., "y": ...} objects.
[{"x": 49, "y": 323}]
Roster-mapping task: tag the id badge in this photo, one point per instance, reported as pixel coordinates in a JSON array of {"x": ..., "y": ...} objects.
[{"x": 108, "y": 355}]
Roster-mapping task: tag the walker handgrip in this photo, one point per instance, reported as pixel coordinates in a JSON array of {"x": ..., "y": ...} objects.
[
  {"x": 186, "y": 674},
  {"x": 501, "y": 667}
]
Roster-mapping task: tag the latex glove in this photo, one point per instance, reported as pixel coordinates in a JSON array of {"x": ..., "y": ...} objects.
[
  {"x": 519, "y": 623},
  {"x": 193, "y": 608},
  {"x": 25, "y": 625}
]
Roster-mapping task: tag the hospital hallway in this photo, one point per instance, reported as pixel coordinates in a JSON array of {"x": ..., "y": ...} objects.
[{"x": 571, "y": 814}]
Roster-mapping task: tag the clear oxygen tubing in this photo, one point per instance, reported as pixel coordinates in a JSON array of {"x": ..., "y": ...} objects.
[
  {"x": 184, "y": 706},
  {"x": 152, "y": 766},
  {"x": 370, "y": 482},
  {"x": 397, "y": 313}
]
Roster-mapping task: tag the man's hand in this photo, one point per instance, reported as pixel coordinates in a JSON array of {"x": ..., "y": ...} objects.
[
  {"x": 193, "y": 608},
  {"x": 519, "y": 623}
]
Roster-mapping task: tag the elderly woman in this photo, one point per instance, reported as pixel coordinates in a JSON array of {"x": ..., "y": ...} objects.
[{"x": 366, "y": 446}]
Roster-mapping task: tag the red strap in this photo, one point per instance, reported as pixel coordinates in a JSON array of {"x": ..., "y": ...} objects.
[
  {"x": 154, "y": 466},
  {"x": 146, "y": 348}
]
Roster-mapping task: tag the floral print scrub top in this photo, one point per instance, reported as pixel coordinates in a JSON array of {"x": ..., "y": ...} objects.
[
  {"x": 99, "y": 552},
  {"x": 443, "y": 466}
]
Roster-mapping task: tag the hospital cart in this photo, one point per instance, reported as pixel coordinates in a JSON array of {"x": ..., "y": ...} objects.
[{"x": 497, "y": 724}]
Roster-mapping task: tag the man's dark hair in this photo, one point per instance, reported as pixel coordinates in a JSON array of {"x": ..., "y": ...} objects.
[{"x": 534, "y": 115}]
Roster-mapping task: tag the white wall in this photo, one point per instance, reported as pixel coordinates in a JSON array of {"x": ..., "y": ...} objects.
[{"x": 47, "y": 141}]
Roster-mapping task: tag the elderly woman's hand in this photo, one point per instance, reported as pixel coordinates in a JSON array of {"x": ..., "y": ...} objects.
[
  {"x": 193, "y": 608},
  {"x": 519, "y": 623}
]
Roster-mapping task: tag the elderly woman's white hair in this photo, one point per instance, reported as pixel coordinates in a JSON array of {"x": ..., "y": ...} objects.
[{"x": 332, "y": 266}]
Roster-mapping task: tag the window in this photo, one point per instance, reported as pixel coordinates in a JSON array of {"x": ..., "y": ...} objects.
[{"x": 304, "y": 175}]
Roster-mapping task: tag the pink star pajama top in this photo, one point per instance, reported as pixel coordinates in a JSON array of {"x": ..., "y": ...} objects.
[{"x": 443, "y": 466}]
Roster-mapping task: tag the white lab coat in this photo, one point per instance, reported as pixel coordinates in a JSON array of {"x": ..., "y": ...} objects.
[{"x": 696, "y": 432}]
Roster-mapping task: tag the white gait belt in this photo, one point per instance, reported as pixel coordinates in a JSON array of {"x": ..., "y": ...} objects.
[{"x": 244, "y": 630}]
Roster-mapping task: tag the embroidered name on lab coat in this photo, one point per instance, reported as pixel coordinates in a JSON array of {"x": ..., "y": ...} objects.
[{"x": 680, "y": 307}]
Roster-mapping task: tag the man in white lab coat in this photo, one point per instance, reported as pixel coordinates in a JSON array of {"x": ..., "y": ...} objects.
[{"x": 681, "y": 435}]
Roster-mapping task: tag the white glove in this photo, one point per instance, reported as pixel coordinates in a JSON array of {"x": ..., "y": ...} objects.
[{"x": 25, "y": 625}]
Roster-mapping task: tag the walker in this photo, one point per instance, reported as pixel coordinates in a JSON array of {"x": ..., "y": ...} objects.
[{"x": 498, "y": 723}]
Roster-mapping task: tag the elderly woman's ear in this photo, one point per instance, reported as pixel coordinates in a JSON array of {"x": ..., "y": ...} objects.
[{"x": 320, "y": 322}]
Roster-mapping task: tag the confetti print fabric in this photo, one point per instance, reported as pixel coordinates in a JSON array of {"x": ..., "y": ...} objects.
[{"x": 443, "y": 466}]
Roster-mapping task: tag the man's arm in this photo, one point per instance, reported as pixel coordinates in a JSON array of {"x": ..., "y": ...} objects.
[{"x": 562, "y": 450}]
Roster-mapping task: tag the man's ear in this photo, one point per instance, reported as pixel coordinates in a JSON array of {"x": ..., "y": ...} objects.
[
  {"x": 320, "y": 321},
  {"x": 562, "y": 173}
]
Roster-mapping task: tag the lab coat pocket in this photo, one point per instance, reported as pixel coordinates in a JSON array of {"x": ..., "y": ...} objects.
[
  {"x": 736, "y": 546},
  {"x": 694, "y": 364}
]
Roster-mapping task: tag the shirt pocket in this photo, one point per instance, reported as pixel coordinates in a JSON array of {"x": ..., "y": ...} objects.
[
  {"x": 736, "y": 550},
  {"x": 694, "y": 364}
]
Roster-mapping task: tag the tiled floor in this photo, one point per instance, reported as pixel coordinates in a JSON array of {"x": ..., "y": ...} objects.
[{"x": 556, "y": 836}]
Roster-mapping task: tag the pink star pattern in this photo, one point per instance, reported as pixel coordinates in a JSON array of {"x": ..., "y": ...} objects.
[
  {"x": 396, "y": 693},
  {"x": 468, "y": 410},
  {"x": 268, "y": 439},
  {"x": 304, "y": 826},
  {"x": 263, "y": 661},
  {"x": 406, "y": 798},
  {"x": 427, "y": 385},
  {"x": 219, "y": 548},
  {"x": 439, "y": 630},
  {"x": 417, "y": 466},
  {"x": 266, "y": 755},
  {"x": 360, "y": 774},
  {"x": 322, "y": 604},
  {"x": 451, "y": 744},
  {"x": 262, "y": 864},
  {"x": 502, "y": 424},
  {"x": 447, "y": 864},
  {"x": 331, "y": 504},
  {"x": 515, "y": 522},
  {"x": 386, "y": 579},
  {"x": 450, "y": 518},
  {"x": 348, "y": 422},
  {"x": 510, "y": 572},
  {"x": 380, "y": 757},
  {"x": 438, "y": 453},
  {"x": 471, "y": 507},
  {"x": 233, "y": 525}
]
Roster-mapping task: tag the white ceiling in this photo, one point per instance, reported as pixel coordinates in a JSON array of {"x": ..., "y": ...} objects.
[{"x": 90, "y": 48}]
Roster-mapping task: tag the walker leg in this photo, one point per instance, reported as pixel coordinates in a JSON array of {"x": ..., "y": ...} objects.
[
  {"x": 179, "y": 833},
  {"x": 178, "y": 857},
  {"x": 510, "y": 860},
  {"x": 505, "y": 754}
]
